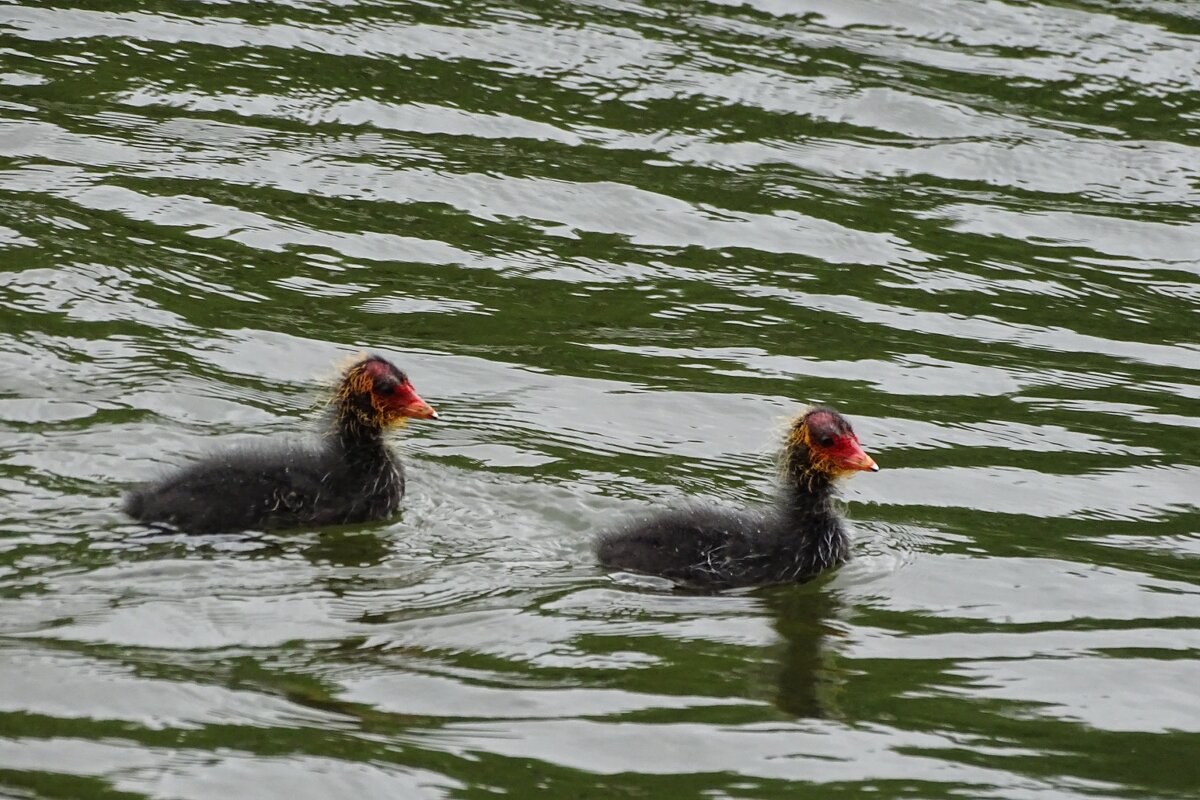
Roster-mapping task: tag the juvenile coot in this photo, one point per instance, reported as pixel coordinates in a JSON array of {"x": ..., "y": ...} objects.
[
  {"x": 718, "y": 548},
  {"x": 349, "y": 476}
]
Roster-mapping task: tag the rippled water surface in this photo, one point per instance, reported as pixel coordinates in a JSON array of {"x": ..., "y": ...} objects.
[{"x": 616, "y": 244}]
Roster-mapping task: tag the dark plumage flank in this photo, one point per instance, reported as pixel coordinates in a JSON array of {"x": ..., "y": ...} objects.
[{"x": 715, "y": 548}]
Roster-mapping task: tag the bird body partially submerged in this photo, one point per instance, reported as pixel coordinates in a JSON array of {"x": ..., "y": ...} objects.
[
  {"x": 349, "y": 476},
  {"x": 801, "y": 535}
]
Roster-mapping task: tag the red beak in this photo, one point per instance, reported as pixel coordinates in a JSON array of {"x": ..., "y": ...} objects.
[
  {"x": 414, "y": 406},
  {"x": 853, "y": 457}
]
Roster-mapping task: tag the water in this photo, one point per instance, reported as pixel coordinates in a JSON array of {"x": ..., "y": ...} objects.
[{"x": 616, "y": 244}]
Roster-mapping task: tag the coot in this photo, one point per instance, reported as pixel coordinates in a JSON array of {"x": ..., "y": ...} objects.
[
  {"x": 350, "y": 475},
  {"x": 718, "y": 548}
]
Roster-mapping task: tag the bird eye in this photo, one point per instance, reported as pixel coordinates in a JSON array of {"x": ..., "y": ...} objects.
[{"x": 825, "y": 441}]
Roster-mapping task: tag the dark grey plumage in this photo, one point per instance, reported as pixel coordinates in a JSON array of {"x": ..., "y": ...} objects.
[
  {"x": 715, "y": 548},
  {"x": 282, "y": 487},
  {"x": 350, "y": 475}
]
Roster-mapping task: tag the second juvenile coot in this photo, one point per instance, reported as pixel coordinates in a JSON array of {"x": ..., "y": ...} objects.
[{"x": 716, "y": 548}]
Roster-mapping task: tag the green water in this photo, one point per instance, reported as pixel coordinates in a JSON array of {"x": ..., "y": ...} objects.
[{"x": 616, "y": 244}]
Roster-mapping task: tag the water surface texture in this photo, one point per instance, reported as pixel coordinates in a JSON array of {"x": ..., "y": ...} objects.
[{"x": 616, "y": 244}]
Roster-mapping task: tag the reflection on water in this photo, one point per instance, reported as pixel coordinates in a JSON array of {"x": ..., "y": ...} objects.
[
  {"x": 807, "y": 683},
  {"x": 617, "y": 245}
]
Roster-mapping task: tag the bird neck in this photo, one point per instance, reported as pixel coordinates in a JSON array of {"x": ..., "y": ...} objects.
[
  {"x": 810, "y": 522},
  {"x": 357, "y": 435}
]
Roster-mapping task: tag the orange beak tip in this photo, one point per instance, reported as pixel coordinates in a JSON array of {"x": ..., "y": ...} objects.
[
  {"x": 861, "y": 462},
  {"x": 419, "y": 410}
]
